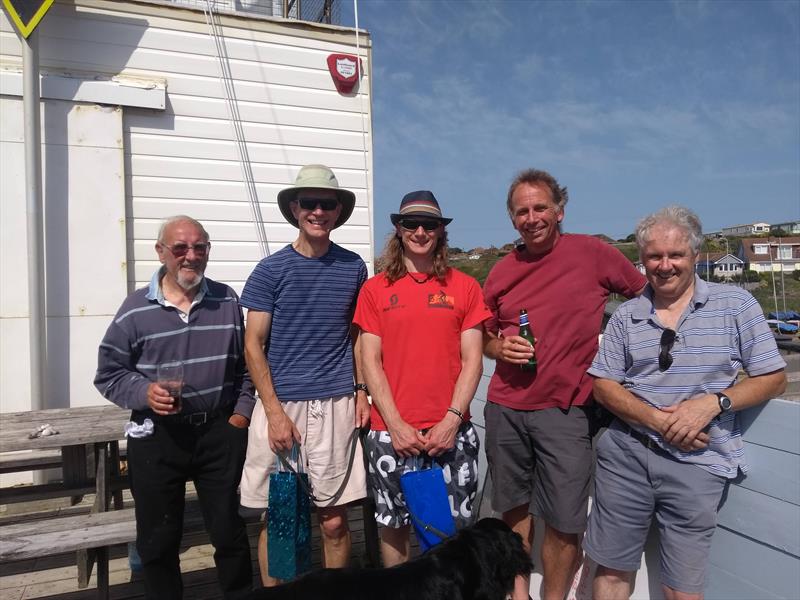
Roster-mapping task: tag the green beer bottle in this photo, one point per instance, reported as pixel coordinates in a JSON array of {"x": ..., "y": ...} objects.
[{"x": 525, "y": 332}]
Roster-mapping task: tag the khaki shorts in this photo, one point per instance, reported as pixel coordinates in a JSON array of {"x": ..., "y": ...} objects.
[{"x": 326, "y": 426}]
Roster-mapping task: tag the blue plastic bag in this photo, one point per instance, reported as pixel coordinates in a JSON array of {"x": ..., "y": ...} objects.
[{"x": 426, "y": 498}]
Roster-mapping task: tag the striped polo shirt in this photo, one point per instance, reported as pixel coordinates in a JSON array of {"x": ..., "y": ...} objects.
[
  {"x": 722, "y": 330},
  {"x": 311, "y": 301},
  {"x": 209, "y": 341}
]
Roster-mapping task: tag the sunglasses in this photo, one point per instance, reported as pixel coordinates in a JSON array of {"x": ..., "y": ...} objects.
[
  {"x": 414, "y": 224},
  {"x": 183, "y": 249},
  {"x": 312, "y": 203},
  {"x": 664, "y": 356}
]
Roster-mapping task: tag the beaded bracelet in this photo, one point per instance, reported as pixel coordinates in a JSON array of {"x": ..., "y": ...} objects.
[{"x": 456, "y": 412}]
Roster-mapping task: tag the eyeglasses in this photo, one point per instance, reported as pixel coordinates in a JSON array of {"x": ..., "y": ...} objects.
[
  {"x": 414, "y": 224},
  {"x": 664, "y": 357},
  {"x": 312, "y": 203},
  {"x": 183, "y": 249}
]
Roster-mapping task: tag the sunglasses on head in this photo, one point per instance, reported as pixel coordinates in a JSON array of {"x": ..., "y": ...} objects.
[
  {"x": 414, "y": 224},
  {"x": 664, "y": 356},
  {"x": 181, "y": 249},
  {"x": 312, "y": 203}
]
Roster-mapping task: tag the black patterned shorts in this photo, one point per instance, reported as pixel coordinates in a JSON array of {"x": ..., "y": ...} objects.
[{"x": 459, "y": 467}]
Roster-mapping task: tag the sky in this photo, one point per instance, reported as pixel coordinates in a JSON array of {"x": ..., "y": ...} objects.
[{"x": 632, "y": 105}]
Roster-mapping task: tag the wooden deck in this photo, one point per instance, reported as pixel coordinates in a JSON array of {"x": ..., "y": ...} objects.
[{"x": 56, "y": 577}]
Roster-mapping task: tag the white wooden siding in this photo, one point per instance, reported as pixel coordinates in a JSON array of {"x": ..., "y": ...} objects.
[
  {"x": 178, "y": 155},
  {"x": 185, "y": 158}
]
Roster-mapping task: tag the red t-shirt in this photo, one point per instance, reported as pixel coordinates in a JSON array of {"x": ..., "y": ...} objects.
[
  {"x": 564, "y": 292},
  {"x": 420, "y": 327}
]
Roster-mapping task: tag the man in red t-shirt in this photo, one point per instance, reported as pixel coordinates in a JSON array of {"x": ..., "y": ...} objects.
[
  {"x": 538, "y": 430},
  {"x": 420, "y": 347}
]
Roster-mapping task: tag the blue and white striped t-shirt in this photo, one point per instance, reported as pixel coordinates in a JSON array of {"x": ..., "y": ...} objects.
[
  {"x": 312, "y": 301},
  {"x": 723, "y": 331}
]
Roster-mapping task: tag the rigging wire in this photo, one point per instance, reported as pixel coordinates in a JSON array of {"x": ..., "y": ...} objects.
[
  {"x": 367, "y": 172},
  {"x": 235, "y": 118}
]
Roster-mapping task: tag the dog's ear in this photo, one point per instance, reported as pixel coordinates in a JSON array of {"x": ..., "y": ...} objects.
[{"x": 492, "y": 524}]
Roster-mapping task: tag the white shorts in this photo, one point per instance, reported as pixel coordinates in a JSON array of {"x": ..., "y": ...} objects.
[{"x": 326, "y": 426}]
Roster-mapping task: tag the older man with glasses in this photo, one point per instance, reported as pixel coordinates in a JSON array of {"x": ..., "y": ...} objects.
[
  {"x": 198, "y": 433},
  {"x": 667, "y": 368},
  {"x": 300, "y": 353}
]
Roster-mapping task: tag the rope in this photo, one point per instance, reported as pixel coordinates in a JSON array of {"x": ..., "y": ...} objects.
[
  {"x": 364, "y": 138},
  {"x": 235, "y": 118}
]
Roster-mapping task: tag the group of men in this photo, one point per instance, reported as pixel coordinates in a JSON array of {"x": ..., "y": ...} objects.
[{"x": 667, "y": 369}]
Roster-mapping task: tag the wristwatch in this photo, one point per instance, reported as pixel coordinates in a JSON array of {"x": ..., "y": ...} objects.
[
  {"x": 362, "y": 387},
  {"x": 725, "y": 403}
]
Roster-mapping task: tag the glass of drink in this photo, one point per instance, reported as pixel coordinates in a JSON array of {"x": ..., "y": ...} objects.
[{"x": 170, "y": 377}]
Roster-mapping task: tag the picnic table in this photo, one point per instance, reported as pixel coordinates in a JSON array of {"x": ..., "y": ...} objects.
[{"x": 79, "y": 428}]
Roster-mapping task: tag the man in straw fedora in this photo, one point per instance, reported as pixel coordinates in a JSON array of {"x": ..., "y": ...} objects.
[{"x": 299, "y": 352}]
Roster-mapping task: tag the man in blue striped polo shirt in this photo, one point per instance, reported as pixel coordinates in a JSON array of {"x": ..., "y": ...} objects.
[
  {"x": 299, "y": 352},
  {"x": 667, "y": 368}
]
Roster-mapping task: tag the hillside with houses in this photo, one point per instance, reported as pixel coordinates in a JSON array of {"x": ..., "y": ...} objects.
[{"x": 761, "y": 257}]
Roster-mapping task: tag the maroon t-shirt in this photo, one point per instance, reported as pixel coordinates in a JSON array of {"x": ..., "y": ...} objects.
[{"x": 564, "y": 292}]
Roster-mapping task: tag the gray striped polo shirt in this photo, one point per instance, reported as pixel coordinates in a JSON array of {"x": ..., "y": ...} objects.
[{"x": 722, "y": 331}]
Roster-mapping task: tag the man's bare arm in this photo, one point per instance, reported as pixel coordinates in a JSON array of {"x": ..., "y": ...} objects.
[
  {"x": 362, "y": 403},
  {"x": 442, "y": 436},
  {"x": 635, "y": 411},
  {"x": 281, "y": 431},
  {"x": 691, "y": 416}
]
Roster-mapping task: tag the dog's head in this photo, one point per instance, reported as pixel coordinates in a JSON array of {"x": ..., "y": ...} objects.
[{"x": 492, "y": 554}]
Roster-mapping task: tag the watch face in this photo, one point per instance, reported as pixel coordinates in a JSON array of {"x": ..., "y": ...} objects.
[{"x": 725, "y": 402}]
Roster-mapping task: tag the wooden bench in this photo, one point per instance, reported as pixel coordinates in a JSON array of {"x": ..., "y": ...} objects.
[{"x": 93, "y": 532}]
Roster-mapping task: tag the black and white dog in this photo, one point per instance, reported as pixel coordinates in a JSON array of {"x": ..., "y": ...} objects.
[{"x": 478, "y": 563}]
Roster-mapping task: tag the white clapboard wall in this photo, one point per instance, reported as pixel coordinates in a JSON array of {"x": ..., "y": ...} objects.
[
  {"x": 756, "y": 549},
  {"x": 135, "y": 128}
]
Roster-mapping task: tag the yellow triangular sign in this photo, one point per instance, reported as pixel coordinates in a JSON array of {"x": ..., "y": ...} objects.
[{"x": 26, "y": 14}]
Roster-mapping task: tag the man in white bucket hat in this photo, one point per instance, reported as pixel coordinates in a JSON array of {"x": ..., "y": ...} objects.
[{"x": 299, "y": 352}]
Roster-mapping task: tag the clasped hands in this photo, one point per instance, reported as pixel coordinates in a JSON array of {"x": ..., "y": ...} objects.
[
  {"x": 683, "y": 425},
  {"x": 409, "y": 441}
]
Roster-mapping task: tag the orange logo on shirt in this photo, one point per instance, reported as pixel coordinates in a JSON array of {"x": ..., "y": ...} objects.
[{"x": 441, "y": 300}]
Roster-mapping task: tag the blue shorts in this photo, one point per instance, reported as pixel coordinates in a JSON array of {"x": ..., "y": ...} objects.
[
  {"x": 633, "y": 484},
  {"x": 459, "y": 466}
]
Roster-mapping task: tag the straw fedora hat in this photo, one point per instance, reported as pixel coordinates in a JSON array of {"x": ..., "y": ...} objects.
[
  {"x": 421, "y": 203},
  {"x": 316, "y": 177}
]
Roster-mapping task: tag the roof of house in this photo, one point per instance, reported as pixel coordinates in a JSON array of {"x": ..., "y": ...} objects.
[{"x": 750, "y": 256}]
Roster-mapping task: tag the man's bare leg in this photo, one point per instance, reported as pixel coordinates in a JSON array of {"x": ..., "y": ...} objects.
[
  {"x": 610, "y": 584},
  {"x": 395, "y": 545},
  {"x": 335, "y": 536},
  {"x": 521, "y": 521},
  {"x": 263, "y": 563},
  {"x": 672, "y": 594},
  {"x": 560, "y": 555}
]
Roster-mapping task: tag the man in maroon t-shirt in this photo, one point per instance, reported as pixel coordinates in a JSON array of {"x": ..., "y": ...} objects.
[{"x": 538, "y": 429}]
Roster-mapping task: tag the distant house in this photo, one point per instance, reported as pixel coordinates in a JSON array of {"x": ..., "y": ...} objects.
[
  {"x": 719, "y": 264},
  {"x": 743, "y": 230},
  {"x": 771, "y": 254},
  {"x": 790, "y": 227},
  {"x": 474, "y": 256}
]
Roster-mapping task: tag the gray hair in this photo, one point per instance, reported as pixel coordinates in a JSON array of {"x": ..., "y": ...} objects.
[
  {"x": 180, "y": 219},
  {"x": 676, "y": 216}
]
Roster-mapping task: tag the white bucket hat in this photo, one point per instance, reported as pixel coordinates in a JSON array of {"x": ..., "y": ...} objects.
[{"x": 316, "y": 177}]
